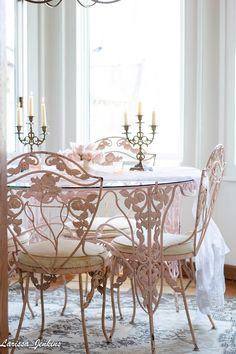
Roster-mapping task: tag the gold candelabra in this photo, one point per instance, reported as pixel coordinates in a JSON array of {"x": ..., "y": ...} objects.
[
  {"x": 139, "y": 140},
  {"x": 31, "y": 139}
]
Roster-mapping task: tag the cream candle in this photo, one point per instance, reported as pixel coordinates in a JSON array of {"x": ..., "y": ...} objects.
[
  {"x": 43, "y": 113},
  {"x": 153, "y": 118},
  {"x": 140, "y": 108},
  {"x": 19, "y": 116},
  {"x": 125, "y": 118},
  {"x": 31, "y": 105}
]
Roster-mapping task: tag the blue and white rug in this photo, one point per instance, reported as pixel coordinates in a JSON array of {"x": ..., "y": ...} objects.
[{"x": 63, "y": 334}]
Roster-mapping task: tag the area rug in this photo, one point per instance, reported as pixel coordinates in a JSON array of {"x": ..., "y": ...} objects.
[{"x": 63, "y": 334}]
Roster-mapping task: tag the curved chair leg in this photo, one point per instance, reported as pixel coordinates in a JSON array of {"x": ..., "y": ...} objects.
[
  {"x": 151, "y": 326},
  {"x": 212, "y": 322},
  {"x": 104, "y": 311},
  {"x": 30, "y": 309},
  {"x": 118, "y": 303},
  {"x": 65, "y": 296},
  {"x": 25, "y": 300},
  {"x": 134, "y": 301},
  {"x": 22, "y": 293},
  {"x": 83, "y": 315},
  {"x": 86, "y": 284},
  {"x": 108, "y": 338},
  {"x": 42, "y": 309},
  {"x": 112, "y": 307},
  {"x": 186, "y": 307}
]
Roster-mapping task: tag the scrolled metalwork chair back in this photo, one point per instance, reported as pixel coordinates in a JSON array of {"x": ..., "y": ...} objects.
[
  {"x": 211, "y": 178},
  {"x": 143, "y": 248},
  {"x": 45, "y": 190}
]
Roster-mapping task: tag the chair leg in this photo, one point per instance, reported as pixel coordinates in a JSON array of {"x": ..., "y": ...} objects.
[
  {"x": 212, "y": 322},
  {"x": 65, "y": 296},
  {"x": 108, "y": 337},
  {"x": 112, "y": 307},
  {"x": 30, "y": 309},
  {"x": 186, "y": 307},
  {"x": 22, "y": 293},
  {"x": 25, "y": 301},
  {"x": 83, "y": 315},
  {"x": 42, "y": 309},
  {"x": 118, "y": 303},
  {"x": 134, "y": 301},
  {"x": 151, "y": 326},
  {"x": 86, "y": 284}
]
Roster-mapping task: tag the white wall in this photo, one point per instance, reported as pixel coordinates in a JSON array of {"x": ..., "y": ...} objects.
[{"x": 225, "y": 218}]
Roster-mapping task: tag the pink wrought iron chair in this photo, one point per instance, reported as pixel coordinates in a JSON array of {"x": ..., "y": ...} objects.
[
  {"x": 139, "y": 254},
  {"x": 147, "y": 257},
  {"x": 182, "y": 248},
  {"x": 115, "y": 149},
  {"x": 43, "y": 199}
]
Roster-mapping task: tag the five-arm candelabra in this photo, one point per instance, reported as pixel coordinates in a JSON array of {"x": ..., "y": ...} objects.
[
  {"x": 139, "y": 140},
  {"x": 31, "y": 139}
]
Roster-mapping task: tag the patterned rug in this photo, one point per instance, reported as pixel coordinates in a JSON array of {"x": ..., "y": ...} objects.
[{"x": 63, "y": 334}]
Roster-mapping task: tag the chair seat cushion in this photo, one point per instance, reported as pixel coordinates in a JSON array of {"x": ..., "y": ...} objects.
[
  {"x": 23, "y": 238},
  {"x": 118, "y": 223},
  {"x": 123, "y": 244},
  {"x": 44, "y": 253}
]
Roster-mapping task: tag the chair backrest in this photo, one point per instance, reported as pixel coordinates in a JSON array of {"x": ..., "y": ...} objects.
[
  {"x": 143, "y": 246},
  {"x": 211, "y": 178},
  {"x": 45, "y": 191},
  {"x": 117, "y": 148}
]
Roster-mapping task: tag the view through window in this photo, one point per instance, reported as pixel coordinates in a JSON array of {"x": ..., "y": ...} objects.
[{"x": 135, "y": 55}]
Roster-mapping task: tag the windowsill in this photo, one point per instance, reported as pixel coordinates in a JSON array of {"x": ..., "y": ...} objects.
[{"x": 229, "y": 178}]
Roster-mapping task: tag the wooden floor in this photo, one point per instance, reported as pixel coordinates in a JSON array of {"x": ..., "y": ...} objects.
[
  {"x": 73, "y": 284},
  {"x": 230, "y": 287}
]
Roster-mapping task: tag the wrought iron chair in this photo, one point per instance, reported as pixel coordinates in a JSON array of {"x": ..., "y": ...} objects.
[
  {"x": 115, "y": 149},
  {"x": 139, "y": 254},
  {"x": 43, "y": 199},
  {"x": 148, "y": 260},
  {"x": 182, "y": 248}
]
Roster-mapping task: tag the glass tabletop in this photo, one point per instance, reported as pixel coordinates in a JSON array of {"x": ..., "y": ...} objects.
[{"x": 126, "y": 178}]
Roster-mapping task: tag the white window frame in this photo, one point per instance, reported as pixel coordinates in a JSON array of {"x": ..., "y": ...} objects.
[{"x": 227, "y": 85}]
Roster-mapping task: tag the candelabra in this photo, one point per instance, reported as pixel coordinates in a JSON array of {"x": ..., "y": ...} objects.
[
  {"x": 31, "y": 139},
  {"x": 139, "y": 140}
]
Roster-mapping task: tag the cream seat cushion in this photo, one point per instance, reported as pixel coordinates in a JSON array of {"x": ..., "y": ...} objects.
[
  {"x": 23, "y": 238},
  {"x": 44, "y": 253},
  {"x": 123, "y": 244},
  {"x": 119, "y": 223}
]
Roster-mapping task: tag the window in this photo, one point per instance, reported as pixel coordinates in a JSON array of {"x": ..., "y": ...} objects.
[{"x": 135, "y": 55}]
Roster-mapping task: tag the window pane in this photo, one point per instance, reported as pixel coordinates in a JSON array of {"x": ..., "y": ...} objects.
[{"x": 135, "y": 55}]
